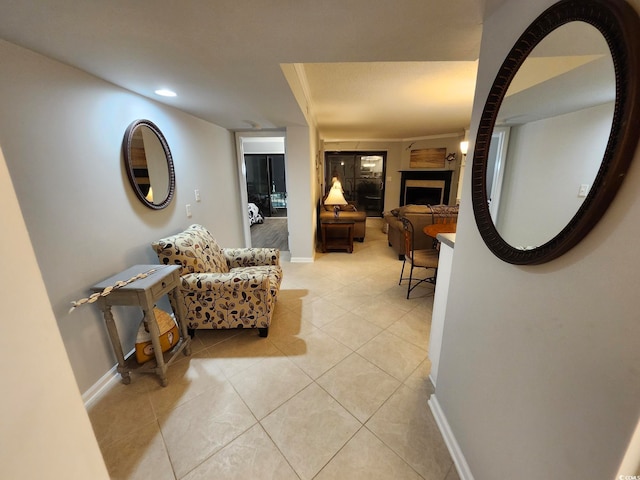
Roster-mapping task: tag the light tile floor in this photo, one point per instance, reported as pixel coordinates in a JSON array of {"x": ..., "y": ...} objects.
[{"x": 338, "y": 390}]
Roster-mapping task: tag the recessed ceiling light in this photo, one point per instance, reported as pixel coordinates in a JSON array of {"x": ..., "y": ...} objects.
[{"x": 163, "y": 92}]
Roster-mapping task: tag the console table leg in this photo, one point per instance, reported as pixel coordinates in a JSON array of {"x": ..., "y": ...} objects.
[
  {"x": 178, "y": 301},
  {"x": 115, "y": 342},
  {"x": 154, "y": 332}
]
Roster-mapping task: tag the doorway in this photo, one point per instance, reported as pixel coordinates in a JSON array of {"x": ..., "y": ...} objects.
[
  {"x": 262, "y": 165},
  {"x": 361, "y": 175},
  {"x": 266, "y": 183},
  {"x": 496, "y": 162}
]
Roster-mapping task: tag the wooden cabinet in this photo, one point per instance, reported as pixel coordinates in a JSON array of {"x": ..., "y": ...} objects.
[{"x": 337, "y": 234}]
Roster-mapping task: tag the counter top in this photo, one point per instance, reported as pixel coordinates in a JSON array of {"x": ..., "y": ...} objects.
[{"x": 447, "y": 238}]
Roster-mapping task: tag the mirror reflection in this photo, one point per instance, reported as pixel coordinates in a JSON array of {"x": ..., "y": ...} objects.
[
  {"x": 550, "y": 135},
  {"x": 149, "y": 164}
]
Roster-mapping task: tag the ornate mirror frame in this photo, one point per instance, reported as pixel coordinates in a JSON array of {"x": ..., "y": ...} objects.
[
  {"x": 127, "y": 148},
  {"x": 619, "y": 24}
]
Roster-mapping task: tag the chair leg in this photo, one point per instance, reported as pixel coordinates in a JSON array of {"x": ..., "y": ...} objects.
[
  {"x": 410, "y": 280},
  {"x": 402, "y": 271},
  {"x": 263, "y": 332},
  {"x": 418, "y": 282}
]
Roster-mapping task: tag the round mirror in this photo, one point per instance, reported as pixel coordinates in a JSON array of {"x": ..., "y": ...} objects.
[
  {"x": 149, "y": 164},
  {"x": 558, "y": 130}
]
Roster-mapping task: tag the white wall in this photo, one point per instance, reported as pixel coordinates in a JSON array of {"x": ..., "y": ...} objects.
[
  {"x": 535, "y": 205},
  {"x": 301, "y": 150},
  {"x": 61, "y": 130},
  {"x": 45, "y": 430},
  {"x": 263, "y": 142},
  {"x": 539, "y": 372}
]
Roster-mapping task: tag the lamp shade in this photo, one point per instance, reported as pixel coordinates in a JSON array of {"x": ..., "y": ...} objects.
[
  {"x": 335, "y": 196},
  {"x": 464, "y": 147}
]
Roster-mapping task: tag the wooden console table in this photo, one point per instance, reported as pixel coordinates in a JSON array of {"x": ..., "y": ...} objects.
[
  {"x": 144, "y": 293},
  {"x": 337, "y": 234}
]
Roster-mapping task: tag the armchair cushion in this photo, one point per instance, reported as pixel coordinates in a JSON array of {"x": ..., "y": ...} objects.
[
  {"x": 249, "y": 257},
  {"x": 408, "y": 209},
  {"x": 227, "y": 300},
  {"x": 195, "y": 250}
]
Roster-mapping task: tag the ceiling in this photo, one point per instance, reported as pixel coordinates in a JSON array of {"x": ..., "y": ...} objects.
[{"x": 372, "y": 69}]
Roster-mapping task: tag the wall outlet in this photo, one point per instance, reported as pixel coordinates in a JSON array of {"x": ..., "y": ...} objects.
[
  {"x": 188, "y": 210},
  {"x": 197, "y": 195},
  {"x": 584, "y": 190}
]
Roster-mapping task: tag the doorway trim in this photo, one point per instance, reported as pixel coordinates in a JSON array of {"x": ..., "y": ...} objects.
[
  {"x": 241, "y": 140},
  {"x": 501, "y": 137}
]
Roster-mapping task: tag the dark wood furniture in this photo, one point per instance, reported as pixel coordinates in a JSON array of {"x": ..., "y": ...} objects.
[
  {"x": 435, "y": 228},
  {"x": 337, "y": 233}
]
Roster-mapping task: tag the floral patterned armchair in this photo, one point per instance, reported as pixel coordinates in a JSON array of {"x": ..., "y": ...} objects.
[{"x": 223, "y": 287}]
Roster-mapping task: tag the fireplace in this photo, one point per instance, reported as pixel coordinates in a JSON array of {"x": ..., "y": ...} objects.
[{"x": 425, "y": 187}]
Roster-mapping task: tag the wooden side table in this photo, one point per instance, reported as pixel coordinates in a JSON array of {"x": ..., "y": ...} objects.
[
  {"x": 145, "y": 293},
  {"x": 337, "y": 233}
]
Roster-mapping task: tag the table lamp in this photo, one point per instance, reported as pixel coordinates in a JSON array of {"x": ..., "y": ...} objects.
[{"x": 335, "y": 198}]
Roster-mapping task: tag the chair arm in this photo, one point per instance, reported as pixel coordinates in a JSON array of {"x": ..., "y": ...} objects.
[
  {"x": 251, "y": 257},
  {"x": 225, "y": 282}
]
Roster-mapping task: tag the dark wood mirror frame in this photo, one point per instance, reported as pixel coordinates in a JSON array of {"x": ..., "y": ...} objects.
[
  {"x": 127, "y": 147},
  {"x": 619, "y": 24}
]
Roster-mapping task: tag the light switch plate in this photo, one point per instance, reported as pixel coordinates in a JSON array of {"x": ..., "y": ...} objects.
[{"x": 584, "y": 190}]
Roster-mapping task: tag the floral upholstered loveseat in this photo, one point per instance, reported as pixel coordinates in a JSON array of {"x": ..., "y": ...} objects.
[{"x": 223, "y": 287}]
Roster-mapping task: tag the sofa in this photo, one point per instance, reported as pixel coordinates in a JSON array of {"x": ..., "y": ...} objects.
[
  {"x": 222, "y": 287},
  {"x": 350, "y": 212},
  {"x": 420, "y": 216}
]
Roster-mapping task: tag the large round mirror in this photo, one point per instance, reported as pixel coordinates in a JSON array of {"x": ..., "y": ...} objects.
[
  {"x": 149, "y": 164},
  {"x": 558, "y": 130}
]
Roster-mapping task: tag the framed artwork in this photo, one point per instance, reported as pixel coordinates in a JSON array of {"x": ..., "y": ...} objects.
[{"x": 427, "y": 158}]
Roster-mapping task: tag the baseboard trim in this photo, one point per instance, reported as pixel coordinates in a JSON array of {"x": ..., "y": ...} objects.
[
  {"x": 301, "y": 260},
  {"x": 452, "y": 444},
  {"x": 102, "y": 385}
]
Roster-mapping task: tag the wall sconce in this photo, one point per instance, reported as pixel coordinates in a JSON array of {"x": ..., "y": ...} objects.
[{"x": 464, "y": 147}]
